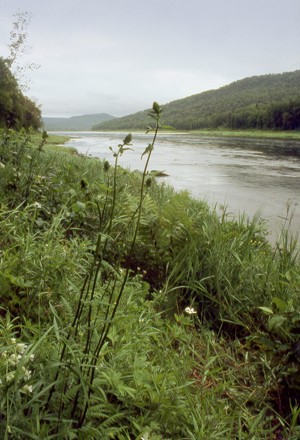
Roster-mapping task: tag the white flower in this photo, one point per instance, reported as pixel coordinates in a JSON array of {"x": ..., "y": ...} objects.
[
  {"x": 27, "y": 375},
  {"x": 27, "y": 389},
  {"x": 190, "y": 311},
  {"x": 14, "y": 359},
  {"x": 31, "y": 357},
  {"x": 13, "y": 340},
  {"x": 37, "y": 205},
  {"x": 21, "y": 348},
  {"x": 9, "y": 377}
]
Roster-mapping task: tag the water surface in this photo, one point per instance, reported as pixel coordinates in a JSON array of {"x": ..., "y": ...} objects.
[{"x": 254, "y": 176}]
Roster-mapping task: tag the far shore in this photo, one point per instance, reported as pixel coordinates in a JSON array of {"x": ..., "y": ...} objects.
[{"x": 264, "y": 134}]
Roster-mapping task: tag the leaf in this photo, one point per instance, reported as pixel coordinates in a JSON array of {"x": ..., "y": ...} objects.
[
  {"x": 147, "y": 150},
  {"x": 266, "y": 310},
  {"x": 265, "y": 342},
  {"x": 5, "y": 285},
  {"x": 288, "y": 276},
  {"x": 122, "y": 149},
  {"x": 280, "y": 304},
  {"x": 78, "y": 206},
  {"x": 39, "y": 222},
  {"x": 276, "y": 322},
  {"x": 16, "y": 281}
]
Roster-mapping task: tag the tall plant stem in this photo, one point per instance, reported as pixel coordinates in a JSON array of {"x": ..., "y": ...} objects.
[{"x": 107, "y": 325}]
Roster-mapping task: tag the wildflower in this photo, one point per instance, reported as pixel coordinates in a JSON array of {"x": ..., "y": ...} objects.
[
  {"x": 37, "y": 205},
  {"x": 27, "y": 374},
  {"x": 21, "y": 348},
  {"x": 27, "y": 389},
  {"x": 31, "y": 357},
  {"x": 13, "y": 340},
  {"x": 14, "y": 359},
  {"x": 190, "y": 311},
  {"x": 9, "y": 377}
]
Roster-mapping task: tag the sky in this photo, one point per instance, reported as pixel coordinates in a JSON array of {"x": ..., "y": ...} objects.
[{"x": 118, "y": 56}]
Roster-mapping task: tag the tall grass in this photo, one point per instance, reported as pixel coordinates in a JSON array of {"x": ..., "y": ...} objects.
[{"x": 131, "y": 311}]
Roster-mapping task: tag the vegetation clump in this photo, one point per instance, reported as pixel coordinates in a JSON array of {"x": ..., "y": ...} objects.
[
  {"x": 16, "y": 109},
  {"x": 129, "y": 310}
]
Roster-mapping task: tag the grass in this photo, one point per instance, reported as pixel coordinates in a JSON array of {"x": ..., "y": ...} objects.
[
  {"x": 265, "y": 134},
  {"x": 131, "y": 311},
  {"x": 254, "y": 133}
]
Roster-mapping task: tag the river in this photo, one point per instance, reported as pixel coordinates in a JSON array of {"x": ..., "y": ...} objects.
[{"x": 251, "y": 176}]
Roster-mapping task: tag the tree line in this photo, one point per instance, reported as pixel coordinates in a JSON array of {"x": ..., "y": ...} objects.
[{"x": 280, "y": 116}]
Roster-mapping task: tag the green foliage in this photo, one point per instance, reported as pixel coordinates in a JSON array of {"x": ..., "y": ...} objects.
[
  {"x": 16, "y": 110},
  {"x": 131, "y": 311}
]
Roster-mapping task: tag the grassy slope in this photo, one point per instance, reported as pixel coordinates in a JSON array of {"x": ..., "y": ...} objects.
[
  {"x": 267, "y": 134},
  {"x": 227, "y": 370},
  {"x": 260, "y": 134}
]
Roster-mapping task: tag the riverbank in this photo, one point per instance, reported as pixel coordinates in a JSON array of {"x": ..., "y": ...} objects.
[
  {"x": 247, "y": 175},
  {"x": 101, "y": 271},
  {"x": 259, "y": 134}
]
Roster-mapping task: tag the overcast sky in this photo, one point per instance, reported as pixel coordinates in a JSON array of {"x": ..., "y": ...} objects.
[{"x": 118, "y": 56}]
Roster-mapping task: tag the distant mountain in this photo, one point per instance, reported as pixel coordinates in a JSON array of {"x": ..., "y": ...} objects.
[
  {"x": 265, "y": 101},
  {"x": 75, "y": 123}
]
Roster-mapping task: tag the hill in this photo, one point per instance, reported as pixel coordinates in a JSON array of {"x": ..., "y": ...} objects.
[
  {"x": 265, "y": 101},
  {"x": 75, "y": 123}
]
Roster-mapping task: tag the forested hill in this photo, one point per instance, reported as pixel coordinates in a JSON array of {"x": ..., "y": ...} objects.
[
  {"x": 75, "y": 123},
  {"x": 266, "y": 101}
]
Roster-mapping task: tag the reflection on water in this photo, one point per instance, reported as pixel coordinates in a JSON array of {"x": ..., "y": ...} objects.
[{"x": 246, "y": 175}]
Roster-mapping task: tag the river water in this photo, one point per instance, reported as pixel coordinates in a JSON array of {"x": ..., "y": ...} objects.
[{"x": 251, "y": 176}]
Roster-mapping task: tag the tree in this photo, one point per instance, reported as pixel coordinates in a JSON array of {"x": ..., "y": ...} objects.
[
  {"x": 18, "y": 47},
  {"x": 16, "y": 109}
]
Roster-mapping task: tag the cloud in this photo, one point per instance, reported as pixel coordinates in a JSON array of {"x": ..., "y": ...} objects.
[{"x": 118, "y": 56}]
